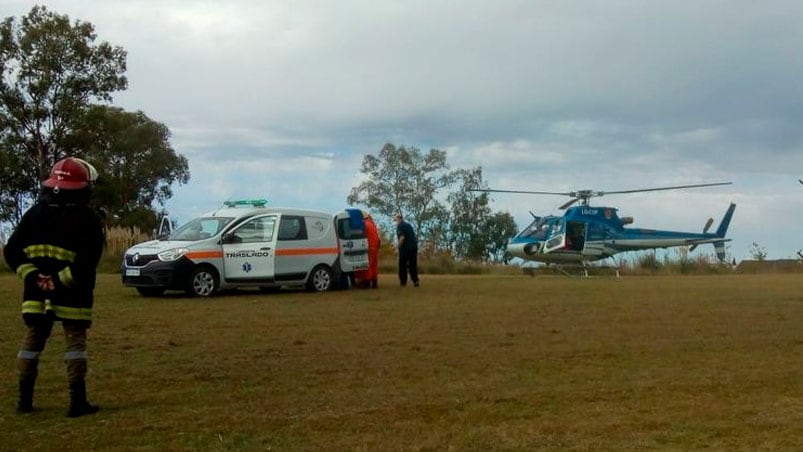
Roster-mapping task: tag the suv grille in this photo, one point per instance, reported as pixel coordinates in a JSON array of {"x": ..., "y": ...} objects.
[{"x": 139, "y": 260}]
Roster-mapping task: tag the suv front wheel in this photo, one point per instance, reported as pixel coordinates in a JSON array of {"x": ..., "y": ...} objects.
[{"x": 203, "y": 282}]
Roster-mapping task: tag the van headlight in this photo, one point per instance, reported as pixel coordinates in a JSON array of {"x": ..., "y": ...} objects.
[{"x": 171, "y": 255}]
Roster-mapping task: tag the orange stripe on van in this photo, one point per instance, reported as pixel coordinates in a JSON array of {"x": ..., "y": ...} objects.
[
  {"x": 212, "y": 254},
  {"x": 305, "y": 251}
]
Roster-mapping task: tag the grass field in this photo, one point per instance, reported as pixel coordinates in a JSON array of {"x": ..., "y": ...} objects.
[{"x": 461, "y": 363}]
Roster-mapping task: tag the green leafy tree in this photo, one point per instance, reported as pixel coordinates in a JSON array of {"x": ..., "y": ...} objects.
[
  {"x": 500, "y": 227},
  {"x": 469, "y": 212},
  {"x": 405, "y": 180},
  {"x": 138, "y": 164},
  {"x": 476, "y": 233},
  {"x": 50, "y": 70},
  {"x": 55, "y": 90}
]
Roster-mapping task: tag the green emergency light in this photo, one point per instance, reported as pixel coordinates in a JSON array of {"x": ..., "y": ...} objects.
[{"x": 246, "y": 202}]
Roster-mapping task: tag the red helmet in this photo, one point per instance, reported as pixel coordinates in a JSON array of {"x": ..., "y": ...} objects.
[{"x": 68, "y": 174}]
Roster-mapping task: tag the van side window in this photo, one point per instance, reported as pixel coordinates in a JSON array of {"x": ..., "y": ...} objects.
[
  {"x": 292, "y": 228},
  {"x": 256, "y": 230}
]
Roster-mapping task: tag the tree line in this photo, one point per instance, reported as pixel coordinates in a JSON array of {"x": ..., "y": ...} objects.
[
  {"x": 440, "y": 203},
  {"x": 56, "y": 86}
]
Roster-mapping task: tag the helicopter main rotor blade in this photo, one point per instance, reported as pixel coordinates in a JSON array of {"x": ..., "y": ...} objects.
[
  {"x": 676, "y": 187},
  {"x": 568, "y": 203},
  {"x": 486, "y": 190}
]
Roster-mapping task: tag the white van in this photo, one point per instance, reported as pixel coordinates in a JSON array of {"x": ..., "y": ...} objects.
[{"x": 248, "y": 244}]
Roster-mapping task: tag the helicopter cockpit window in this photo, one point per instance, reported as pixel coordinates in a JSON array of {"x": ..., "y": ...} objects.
[{"x": 536, "y": 230}]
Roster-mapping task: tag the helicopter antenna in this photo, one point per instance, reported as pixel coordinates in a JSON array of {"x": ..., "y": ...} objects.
[{"x": 583, "y": 196}]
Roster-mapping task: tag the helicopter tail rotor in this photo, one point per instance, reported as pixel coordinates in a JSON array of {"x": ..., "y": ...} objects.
[{"x": 705, "y": 229}]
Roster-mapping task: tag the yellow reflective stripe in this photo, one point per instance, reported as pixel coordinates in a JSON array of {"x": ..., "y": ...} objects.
[
  {"x": 55, "y": 252},
  {"x": 62, "y": 312},
  {"x": 24, "y": 269},
  {"x": 33, "y": 307},
  {"x": 66, "y": 312},
  {"x": 65, "y": 276}
]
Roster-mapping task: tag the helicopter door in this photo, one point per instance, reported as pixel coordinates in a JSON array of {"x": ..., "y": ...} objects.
[
  {"x": 557, "y": 238},
  {"x": 575, "y": 235}
]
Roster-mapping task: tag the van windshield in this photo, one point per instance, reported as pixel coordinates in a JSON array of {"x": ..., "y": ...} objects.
[{"x": 200, "y": 228}]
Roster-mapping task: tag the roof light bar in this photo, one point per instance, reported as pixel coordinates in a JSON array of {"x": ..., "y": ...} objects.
[{"x": 246, "y": 202}]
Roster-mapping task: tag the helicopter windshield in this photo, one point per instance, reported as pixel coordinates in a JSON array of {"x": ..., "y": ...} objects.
[
  {"x": 200, "y": 228},
  {"x": 536, "y": 230}
]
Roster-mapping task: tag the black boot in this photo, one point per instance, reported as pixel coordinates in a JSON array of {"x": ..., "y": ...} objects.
[
  {"x": 79, "y": 406},
  {"x": 25, "y": 402}
]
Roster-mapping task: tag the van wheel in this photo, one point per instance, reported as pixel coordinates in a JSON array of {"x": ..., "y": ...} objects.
[
  {"x": 202, "y": 283},
  {"x": 151, "y": 291},
  {"x": 320, "y": 279}
]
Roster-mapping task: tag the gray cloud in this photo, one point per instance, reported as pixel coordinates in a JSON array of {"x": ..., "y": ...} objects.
[{"x": 541, "y": 94}]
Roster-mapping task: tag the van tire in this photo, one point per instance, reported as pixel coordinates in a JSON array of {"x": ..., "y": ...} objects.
[
  {"x": 203, "y": 282},
  {"x": 321, "y": 279}
]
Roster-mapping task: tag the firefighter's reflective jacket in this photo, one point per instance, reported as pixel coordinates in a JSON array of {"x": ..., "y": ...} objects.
[{"x": 64, "y": 239}]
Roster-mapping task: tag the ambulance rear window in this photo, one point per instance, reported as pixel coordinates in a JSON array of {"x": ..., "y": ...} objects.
[{"x": 345, "y": 230}]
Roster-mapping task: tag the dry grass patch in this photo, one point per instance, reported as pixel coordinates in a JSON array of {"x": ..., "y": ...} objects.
[{"x": 464, "y": 362}]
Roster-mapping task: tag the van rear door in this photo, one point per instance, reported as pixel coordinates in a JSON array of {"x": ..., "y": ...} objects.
[{"x": 351, "y": 240}]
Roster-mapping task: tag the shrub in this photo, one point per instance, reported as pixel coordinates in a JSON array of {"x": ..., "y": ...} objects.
[
  {"x": 649, "y": 261},
  {"x": 118, "y": 239}
]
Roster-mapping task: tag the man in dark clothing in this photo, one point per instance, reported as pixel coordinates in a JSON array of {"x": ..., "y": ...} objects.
[
  {"x": 55, "y": 250},
  {"x": 408, "y": 251}
]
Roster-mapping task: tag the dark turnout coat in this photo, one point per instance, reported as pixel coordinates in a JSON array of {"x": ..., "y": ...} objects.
[{"x": 62, "y": 237}]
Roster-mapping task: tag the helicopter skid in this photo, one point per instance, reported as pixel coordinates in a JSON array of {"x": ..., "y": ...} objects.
[{"x": 574, "y": 270}]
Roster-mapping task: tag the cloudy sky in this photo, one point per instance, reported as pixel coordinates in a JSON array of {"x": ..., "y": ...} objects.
[{"x": 282, "y": 99}]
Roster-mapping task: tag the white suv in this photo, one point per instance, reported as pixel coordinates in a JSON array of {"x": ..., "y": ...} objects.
[{"x": 247, "y": 244}]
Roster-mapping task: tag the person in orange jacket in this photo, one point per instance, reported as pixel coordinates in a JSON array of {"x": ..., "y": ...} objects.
[{"x": 370, "y": 276}]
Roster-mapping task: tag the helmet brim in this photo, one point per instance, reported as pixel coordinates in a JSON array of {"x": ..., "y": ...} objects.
[{"x": 63, "y": 184}]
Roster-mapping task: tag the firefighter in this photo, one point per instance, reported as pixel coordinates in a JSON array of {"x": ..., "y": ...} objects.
[
  {"x": 370, "y": 276},
  {"x": 55, "y": 250}
]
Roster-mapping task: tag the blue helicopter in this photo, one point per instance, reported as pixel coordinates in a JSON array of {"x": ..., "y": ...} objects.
[{"x": 587, "y": 233}]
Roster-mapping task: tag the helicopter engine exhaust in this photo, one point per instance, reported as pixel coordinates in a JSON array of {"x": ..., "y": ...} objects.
[{"x": 524, "y": 249}]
